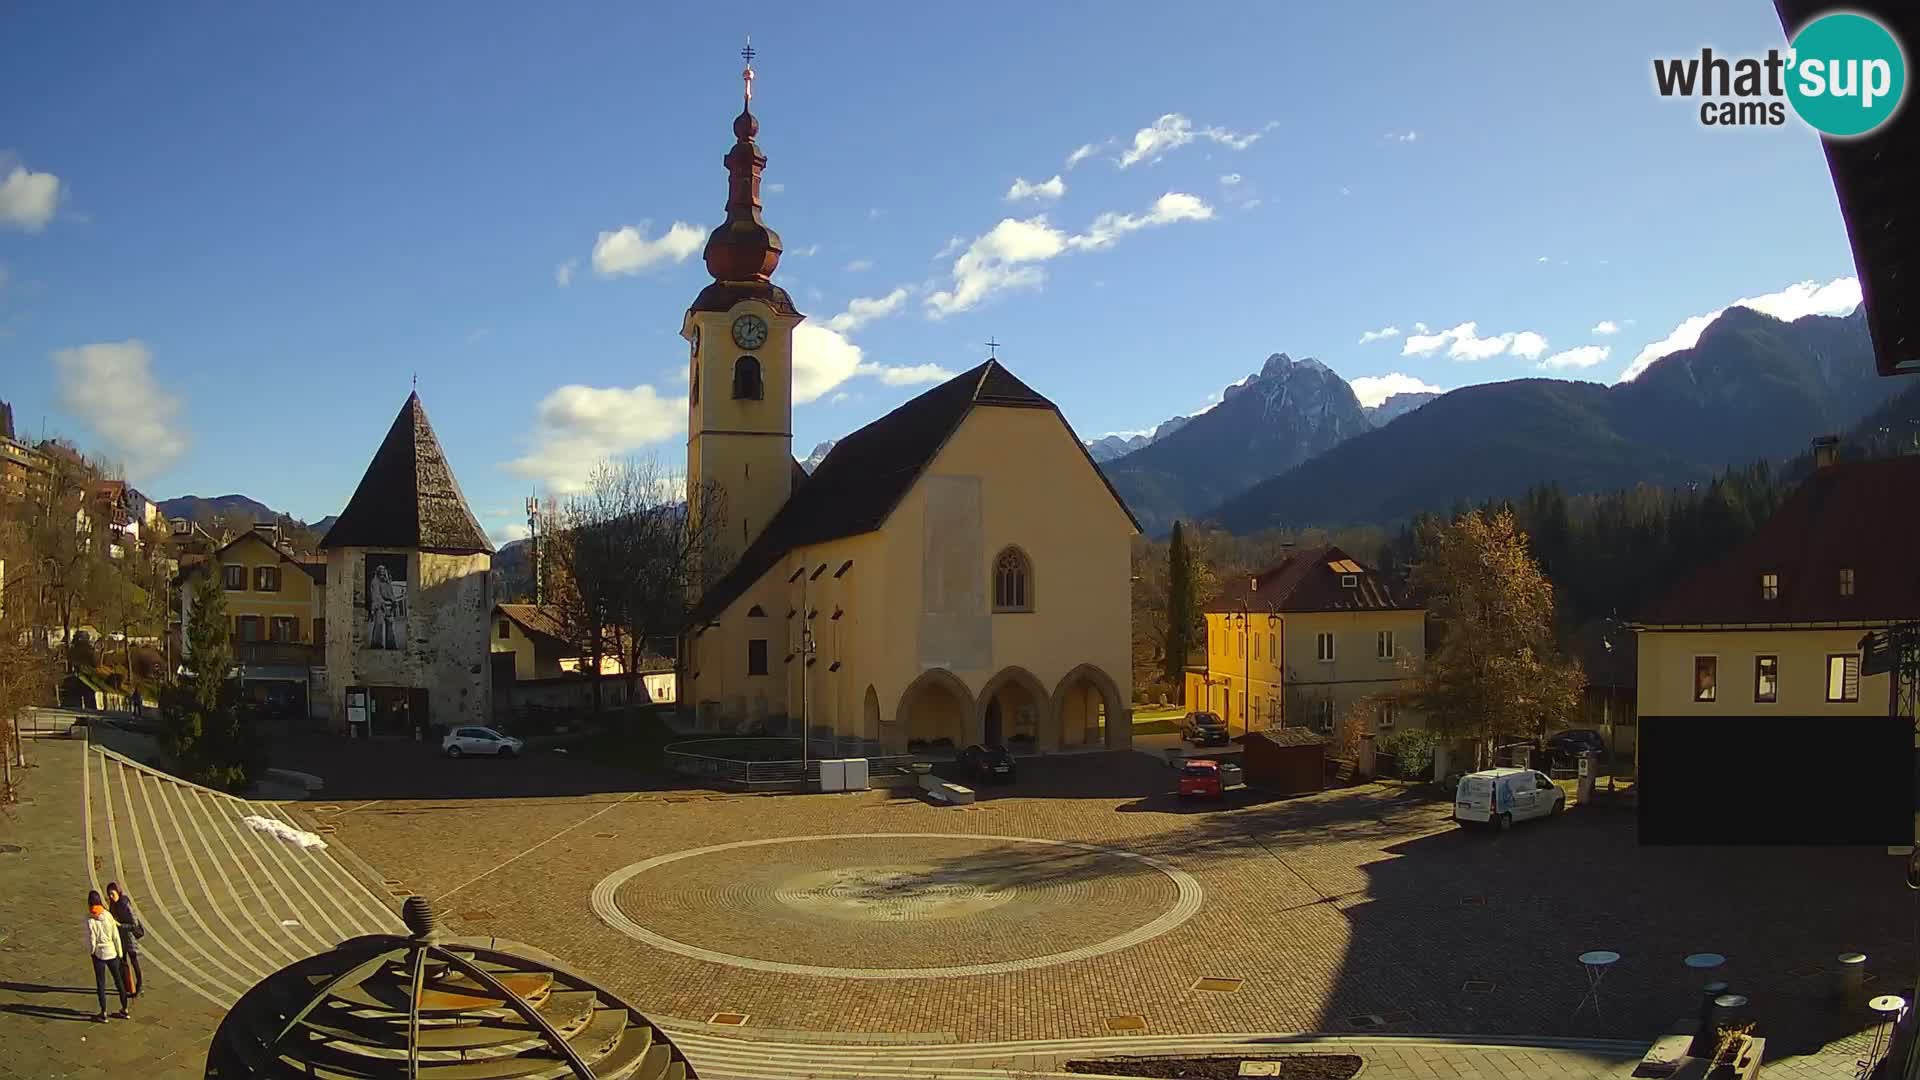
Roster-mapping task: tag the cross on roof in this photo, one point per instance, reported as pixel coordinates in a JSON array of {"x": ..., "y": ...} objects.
[
  {"x": 993, "y": 349},
  {"x": 746, "y": 74}
]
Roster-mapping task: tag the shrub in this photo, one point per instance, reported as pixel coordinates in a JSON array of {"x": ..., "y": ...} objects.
[{"x": 1412, "y": 750}]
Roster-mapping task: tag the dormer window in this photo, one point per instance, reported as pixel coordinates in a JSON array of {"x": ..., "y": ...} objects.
[
  {"x": 1769, "y": 586},
  {"x": 1846, "y": 581},
  {"x": 746, "y": 380}
]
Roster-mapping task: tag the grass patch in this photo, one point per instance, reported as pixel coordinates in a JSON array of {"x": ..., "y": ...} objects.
[
  {"x": 1155, "y": 727},
  {"x": 633, "y": 739}
]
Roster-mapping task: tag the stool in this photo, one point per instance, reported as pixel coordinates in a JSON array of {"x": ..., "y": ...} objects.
[
  {"x": 1595, "y": 963},
  {"x": 1706, "y": 963}
]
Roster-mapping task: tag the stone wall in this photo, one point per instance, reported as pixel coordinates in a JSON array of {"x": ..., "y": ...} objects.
[{"x": 442, "y": 639}]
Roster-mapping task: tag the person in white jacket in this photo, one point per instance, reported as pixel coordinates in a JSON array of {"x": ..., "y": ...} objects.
[{"x": 103, "y": 942}]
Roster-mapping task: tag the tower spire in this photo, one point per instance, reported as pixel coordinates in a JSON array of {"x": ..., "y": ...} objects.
[{"x": 743, "y": 250}]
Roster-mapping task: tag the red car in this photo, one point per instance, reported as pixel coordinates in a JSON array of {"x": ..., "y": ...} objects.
[{"x": 1201, "y": 777}]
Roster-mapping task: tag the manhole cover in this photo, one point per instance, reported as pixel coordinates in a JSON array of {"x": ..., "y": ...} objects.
[
  {"x": 1126, "y": 1023},
  {"x": 1218, "y": 986},
  {"x": 730, "y": 1019},
  {"x": 1477, "y": 986},
  {"x": 11, "y": 849},
  {"x": 391, "y": 883}
]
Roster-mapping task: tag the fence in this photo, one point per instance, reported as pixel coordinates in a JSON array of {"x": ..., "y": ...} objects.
[{"x": 753, "y": 763}]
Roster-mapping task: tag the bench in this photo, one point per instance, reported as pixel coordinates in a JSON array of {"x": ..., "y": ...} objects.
[{"x": 946, "y": 791}]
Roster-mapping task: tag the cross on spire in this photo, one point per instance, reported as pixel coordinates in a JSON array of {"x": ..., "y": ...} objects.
[
  {"x": 746, "y": 74},
  {"x": 993, "y": 349}
]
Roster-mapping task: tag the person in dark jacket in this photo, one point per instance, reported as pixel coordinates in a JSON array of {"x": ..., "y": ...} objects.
[
  {"x": 103, "y": 942},
  {"x": 120, "y": 906}
]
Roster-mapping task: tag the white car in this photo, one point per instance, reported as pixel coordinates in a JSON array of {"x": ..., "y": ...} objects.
[
  {"x": 1503, "y": 796},
  {"x": 479, "y": 740}
]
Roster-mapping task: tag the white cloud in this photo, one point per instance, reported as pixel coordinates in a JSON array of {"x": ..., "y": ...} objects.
[
  {"x": 1042, "y": 190},
  {"x": 1346, "y": 191},
  {"x": 1401, "y": 136},
  {"x": 906, "y": 375},
  {"x": 1836, "y": 297},
  {"x": 1463, "y": 342},
  {"x": 575, "y": 428},
  {"x": 1167, "y": 209},
  {"x": 953, "y": 245},
  {"x": 502, "y": 535},
  {"x": 839, "y": 397},
  {"x": 823, "y": 358},
  {"x": 1369, "y": 336},
  {"x": 1082, "y": 153},
  {"x": 875, "y": 214},
  {"x": 110, "y": 388},
  {"x": 773, "y": 189},
  {"x": 1605, "y": 327},
  {"x": 1584, "y": 356},
  {"x": 627, "y": 250},
  {"x": 1000, "y": 259},
  {"x": 28, "y": 199},
  {"x": 1374, "y": 389},
  {"x": 864, "y": 310},
  {"x": 1542, "y": 259},
  {"x": 563, "y": 274},
  {"x": 1230, "y": 179},
  {"x": 858, "y": 265},
  {"x": 806, "y": 252},
  {"x": 1173, "y": 131}
]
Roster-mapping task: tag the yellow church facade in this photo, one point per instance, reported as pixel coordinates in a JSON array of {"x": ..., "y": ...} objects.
[{"x": 956, "y": 572}]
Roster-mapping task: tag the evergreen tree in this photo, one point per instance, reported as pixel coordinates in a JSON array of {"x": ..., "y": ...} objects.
[
  {"x": 202, "y": 729},
  {"x": 1180, "y": 608}
]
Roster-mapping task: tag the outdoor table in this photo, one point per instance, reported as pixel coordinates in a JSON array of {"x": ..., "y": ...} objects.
[
  {"x": 1887, "y": 1009},
  {"x": 1596, "y": 964}
]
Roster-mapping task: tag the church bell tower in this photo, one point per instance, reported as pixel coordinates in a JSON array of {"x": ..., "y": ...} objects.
[{"x": 740, "y": 384}]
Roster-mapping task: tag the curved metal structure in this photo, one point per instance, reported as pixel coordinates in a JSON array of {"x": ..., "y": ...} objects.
[{"x": 428, "y": 1007}]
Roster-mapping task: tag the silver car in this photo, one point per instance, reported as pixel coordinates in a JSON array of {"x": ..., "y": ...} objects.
[{"x": 479, "y": 740}]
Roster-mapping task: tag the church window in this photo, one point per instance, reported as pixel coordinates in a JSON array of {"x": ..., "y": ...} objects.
[
  {"x": 1012, "y": 581},
  {"x": 746, "y": 380},
  {"x": 693, "y": 386},
  {"x": 757, "y": 656}
]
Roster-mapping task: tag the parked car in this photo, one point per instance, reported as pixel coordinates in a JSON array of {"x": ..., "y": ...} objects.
[
  {"x": 993, "y": 763},
  {"x": 1204, "y": 729},
  {"x": 479, "y": 740},
  {"x": 1500, "y": 797},
  {"x": 1571, "y": 744},
  {"x": 1200, "y": 778}
]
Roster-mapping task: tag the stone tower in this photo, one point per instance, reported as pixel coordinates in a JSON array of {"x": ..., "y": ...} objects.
[
  {"x": 740, "y": 385},
  {"x": 408, "y": 599}
]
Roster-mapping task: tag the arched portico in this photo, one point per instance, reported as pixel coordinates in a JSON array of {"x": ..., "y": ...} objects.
[
  {"x": 1012, "y": 710},
  {"x": 1086, "y": 701},
  {"x": 934, "y": 713}
]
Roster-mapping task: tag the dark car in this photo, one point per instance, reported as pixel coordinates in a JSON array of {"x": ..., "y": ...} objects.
[
  {"x": 1204, "y": 729},
  {"x": 993, "y": 763},
  {"x": 1575, "y": 742}
]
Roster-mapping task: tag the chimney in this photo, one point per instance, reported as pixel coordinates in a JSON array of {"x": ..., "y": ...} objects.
[{"x": 1826, "y": 450}]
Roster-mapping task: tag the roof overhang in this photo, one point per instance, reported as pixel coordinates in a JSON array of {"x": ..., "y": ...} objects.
[{"x": 1685, "y": 628}]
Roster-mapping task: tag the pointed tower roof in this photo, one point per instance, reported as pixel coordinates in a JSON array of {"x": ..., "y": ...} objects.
[
  {"x": 409, "y": 498},
  {"x": 743, "y": 252}
]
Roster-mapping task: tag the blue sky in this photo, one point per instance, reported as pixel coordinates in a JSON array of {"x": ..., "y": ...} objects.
[{"x": 231, "y": 236}]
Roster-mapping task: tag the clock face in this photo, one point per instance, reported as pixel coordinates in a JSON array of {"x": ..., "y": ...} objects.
[{"x": 749, "y": 331}]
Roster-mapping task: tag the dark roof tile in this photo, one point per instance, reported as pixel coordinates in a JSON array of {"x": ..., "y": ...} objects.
[
  {"x": 408, "y": 497},
  {"x": 1305, "y": 582}
]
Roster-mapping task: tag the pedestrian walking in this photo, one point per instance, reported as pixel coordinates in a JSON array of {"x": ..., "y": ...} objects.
[
  {"x": 103, "y": 943},
  {"x": 120, "y": 906}
]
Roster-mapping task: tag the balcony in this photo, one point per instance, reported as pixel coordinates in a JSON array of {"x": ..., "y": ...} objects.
[{"x": 277, "y": 654}]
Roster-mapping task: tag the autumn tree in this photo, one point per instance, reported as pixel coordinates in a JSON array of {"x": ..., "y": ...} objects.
[{"x": 1495, "y": 672}]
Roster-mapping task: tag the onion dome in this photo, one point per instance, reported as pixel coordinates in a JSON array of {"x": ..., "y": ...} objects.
[
  {"x": 430, "y": 1007},
  {"x": 743, "y": 249}
]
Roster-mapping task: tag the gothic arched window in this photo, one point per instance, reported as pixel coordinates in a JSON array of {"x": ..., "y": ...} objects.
[
  {"x": 746, "y": 379},
  {"x": 1012, "y": 581}
]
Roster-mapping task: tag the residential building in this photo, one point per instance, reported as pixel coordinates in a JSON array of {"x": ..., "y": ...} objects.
[
  {"x": 276, "y": 610},
  {"x": 954, "y": 572},
  {"x": 409, "y": 605},
  {"x": 1775, "y": 628},
  {"x": 536, "y": 667},
  {"x": 1304, "y": 642}
]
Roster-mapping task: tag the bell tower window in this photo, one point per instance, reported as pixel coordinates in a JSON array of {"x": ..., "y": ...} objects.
[
  {"x": 746, "y": 380},
  {"x": 693, "y": 386}
]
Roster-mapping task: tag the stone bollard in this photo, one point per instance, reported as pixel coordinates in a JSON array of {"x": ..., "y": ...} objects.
[
  {"x": 1703, "y": 1030},
  {"x": 1366, "y": 767},
  {"x": 1849, "y": 976},
  {"x": 1727, "y": 1011}
]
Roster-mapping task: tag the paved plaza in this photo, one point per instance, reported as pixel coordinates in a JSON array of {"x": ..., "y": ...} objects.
[{"x": 1074, "y": 914}]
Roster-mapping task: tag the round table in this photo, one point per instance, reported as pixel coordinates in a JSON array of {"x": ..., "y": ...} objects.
[
  {"x": 1595, "y": 963},
  {"x": 1887, "y": 1009}
]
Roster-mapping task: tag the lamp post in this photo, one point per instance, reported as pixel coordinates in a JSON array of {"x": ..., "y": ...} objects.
[{"x": 1609, "y": 635}]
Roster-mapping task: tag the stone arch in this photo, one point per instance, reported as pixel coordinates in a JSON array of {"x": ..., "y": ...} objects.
[
  {"x": 747, "y": 383},
  {"x": 922, "y": 715},
  {"x": 1007, "y": 687},
  {"x": 1075, "y": 716},
  {"x": 870, "y": 714}
]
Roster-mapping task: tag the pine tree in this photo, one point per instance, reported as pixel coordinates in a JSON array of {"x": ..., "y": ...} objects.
[
  {"x": 202, "y": 729},
  {"x": 1180, "y": 608}
]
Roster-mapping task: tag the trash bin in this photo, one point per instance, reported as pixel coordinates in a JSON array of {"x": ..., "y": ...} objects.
[{"x": 1849, "y": 976}]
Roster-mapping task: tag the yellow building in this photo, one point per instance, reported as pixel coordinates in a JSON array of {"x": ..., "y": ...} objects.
[
  {"x": 954, "y": 572},
  {"x": 1302, "y": 643},
  {"x": 276, "y": 608},
  {"x": 1775, "y": 629}
]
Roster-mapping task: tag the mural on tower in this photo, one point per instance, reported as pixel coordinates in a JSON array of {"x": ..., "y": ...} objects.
[{"x": 386, "y": 601}]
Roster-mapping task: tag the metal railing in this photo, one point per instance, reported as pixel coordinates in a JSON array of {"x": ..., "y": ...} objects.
[{"x": 732, "y": 762}]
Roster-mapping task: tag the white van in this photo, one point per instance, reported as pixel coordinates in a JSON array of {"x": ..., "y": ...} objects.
[{"x": 1504, "y": 796}]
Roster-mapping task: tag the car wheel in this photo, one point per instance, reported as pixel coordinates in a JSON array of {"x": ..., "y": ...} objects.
[
  {"x": 1559, "y": 804},
  {"x": 453, "y": 751},
  {"x": 1506, "y": 822},
  {"x": 506, "y": 751}
]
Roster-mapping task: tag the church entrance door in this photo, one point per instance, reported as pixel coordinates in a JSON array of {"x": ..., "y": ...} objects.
[{"x": 992, "y": 735}]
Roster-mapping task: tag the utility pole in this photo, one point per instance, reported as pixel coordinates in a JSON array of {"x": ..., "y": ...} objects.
[{"x": 533, "y": 544}]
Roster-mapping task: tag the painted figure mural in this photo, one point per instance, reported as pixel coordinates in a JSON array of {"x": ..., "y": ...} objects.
[{"x": 386, "y": 601}]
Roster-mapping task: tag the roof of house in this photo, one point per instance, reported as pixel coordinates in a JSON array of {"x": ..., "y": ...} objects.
[
  {"x": 1859, "y": 516},
  {"x": 314, "y": 566},
  {"x": 857, "y": 485},
  {"x": 1874, "y": 178},
  {"x": 1291, "y": 736},
  {"x": 540, "y": 620},
  {"x": 408, "y": 497},
  {"x": 1313, "y": 580}
]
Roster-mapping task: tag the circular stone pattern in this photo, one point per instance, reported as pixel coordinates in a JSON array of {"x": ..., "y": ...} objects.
[{"x": 896, "y": 905}]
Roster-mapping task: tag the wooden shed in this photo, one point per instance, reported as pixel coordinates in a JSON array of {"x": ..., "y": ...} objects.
[{"x": 1288, "y": 760}]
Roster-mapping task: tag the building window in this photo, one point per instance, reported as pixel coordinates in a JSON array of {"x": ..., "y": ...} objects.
[
  {"x": 1323, "y": 646},
  {"x": 234, "y": 578},
  {"x": 746, "y": 380},
  {"x": 1273, "y": 652},
  {"x": 1012, "y": 581},
  {"x": 505, "y": 630},
  {"x": 1383, "y": 644},
  {"x": 1323, "y": 714},
  {"x": 1766, "y": 679},
  {"x": 1769, "y": 586},
  {"x": 284, "y": 628},
  {"x": 319, "y": 631},
  {"x": 1706, "y": 678},
  {"x": 757, "y": 656},
  {"x": 1240, "y": 647},
  {"x": 1843, "y": 677},
  {"x": 1256, "y": 646},
  {"x": 1846, "y": 581},
  {"x": 247, "y": 627},
  {"x": 266, "y": 579},
  {"x": 1383, "y": 717}
]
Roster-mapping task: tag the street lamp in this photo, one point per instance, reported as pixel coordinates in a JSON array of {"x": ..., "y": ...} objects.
[{"x": 1609, "y": 635}]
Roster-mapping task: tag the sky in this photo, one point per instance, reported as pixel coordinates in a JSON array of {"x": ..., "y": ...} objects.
[{"x": 231, "y": 237}]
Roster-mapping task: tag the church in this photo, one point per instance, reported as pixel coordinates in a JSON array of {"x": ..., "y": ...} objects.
[{"x": 956, "y": 572}]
